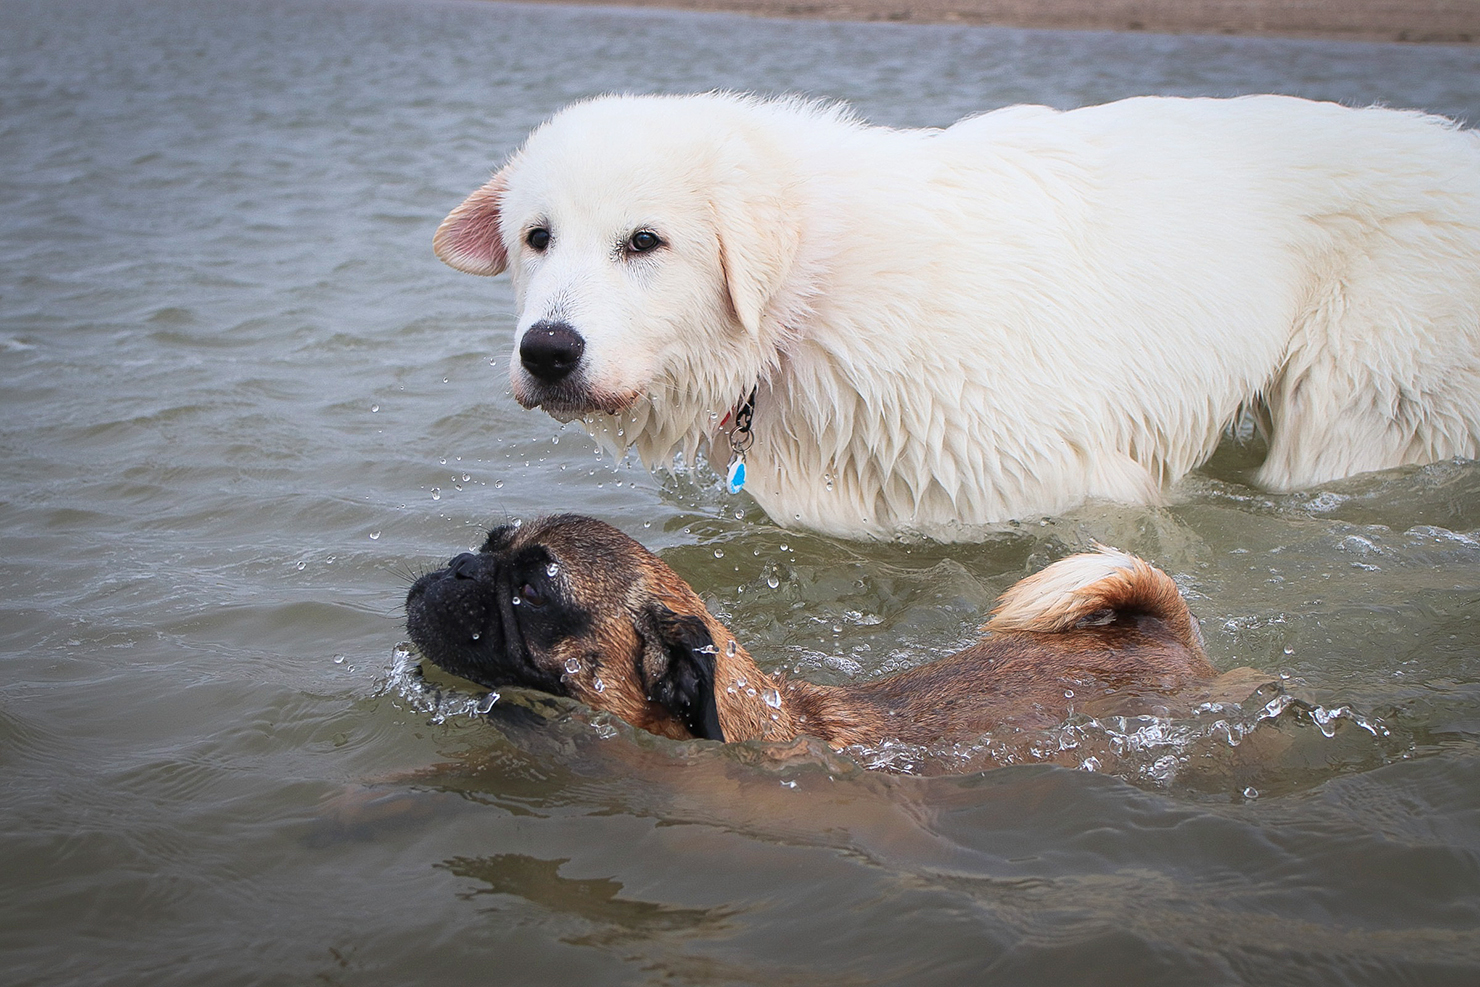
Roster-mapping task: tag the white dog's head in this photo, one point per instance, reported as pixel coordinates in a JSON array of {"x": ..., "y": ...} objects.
[{"x": 649, "y": 239}]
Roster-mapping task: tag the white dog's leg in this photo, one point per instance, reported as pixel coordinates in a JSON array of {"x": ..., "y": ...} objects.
[{"x": 1385, "y": 369}]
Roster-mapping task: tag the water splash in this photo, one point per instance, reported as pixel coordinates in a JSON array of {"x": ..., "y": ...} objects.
[{"x": 403, "y": 680}]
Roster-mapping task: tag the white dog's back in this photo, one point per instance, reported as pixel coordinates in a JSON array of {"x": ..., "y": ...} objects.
[{"x": 1010, "y": 316}]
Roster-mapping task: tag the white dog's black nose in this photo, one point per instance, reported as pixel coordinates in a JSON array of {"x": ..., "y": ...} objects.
[{"x": 551, "y": 350}]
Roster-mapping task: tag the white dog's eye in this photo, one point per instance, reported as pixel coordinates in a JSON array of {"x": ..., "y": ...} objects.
[
  {"x": 644, "y": 241},
  {"x": 538, "y": 238}
]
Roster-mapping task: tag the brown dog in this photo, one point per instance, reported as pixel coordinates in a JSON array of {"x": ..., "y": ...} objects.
[{"x": 571, "y": 606}]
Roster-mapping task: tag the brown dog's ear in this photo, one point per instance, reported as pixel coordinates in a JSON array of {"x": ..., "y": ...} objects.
[
  {"x": 470, "y": 239},
  {"x": 677, "y": 669}
]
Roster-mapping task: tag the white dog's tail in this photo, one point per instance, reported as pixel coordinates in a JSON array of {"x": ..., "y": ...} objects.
[{"x": 1094, "y": 589}]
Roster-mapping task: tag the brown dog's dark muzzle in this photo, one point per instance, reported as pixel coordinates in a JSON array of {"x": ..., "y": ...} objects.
[{"x": 463, "y": 619}]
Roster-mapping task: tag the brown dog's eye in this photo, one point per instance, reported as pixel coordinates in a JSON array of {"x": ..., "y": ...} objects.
[
  {"x": 644, "y": 241},
  {"x": 531, "y": 595},
  {"x": 538, "y": 238}
]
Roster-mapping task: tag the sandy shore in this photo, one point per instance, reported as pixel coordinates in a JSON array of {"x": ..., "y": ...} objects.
[{"x": 1447, "y": 21}]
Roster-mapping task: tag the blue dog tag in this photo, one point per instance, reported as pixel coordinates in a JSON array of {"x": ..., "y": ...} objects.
[{"x": 735, "y": 479}]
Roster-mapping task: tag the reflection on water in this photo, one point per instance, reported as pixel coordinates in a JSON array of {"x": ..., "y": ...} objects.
[{"x": 244, "y": 406}]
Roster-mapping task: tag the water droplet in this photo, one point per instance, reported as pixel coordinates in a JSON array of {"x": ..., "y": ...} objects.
[
  {"x": 443, "y": 460},
  {"x": 552, "y": 570},
  {"x": 518, "y": 522},
  {"x": 445, "y": 379},
  {"x": 339, "y": 659},
  {"x": 301, "y": 565},
  {"x": 1251, "y": 792},
  {"x": 554, "y": 440},
  {"x": 647, "y": 524},
  {"x": 493, "y": 361},
  {"x": 374, "y": 408},
  {"x": 784, "y": 548},
  {"x": 436, "y": 493},
  {"x": 1289, "y": 650},
  {"x": 740, "y": 683},
  {"x": 598, "y": 685},
  {"x": 498, "y": 484},
  {"x": 486, "y": 703},
  {"x": 772, "y": 698},
  {"x": 572, "y": 666},
  {"x": 1068, "y": 693},
  {"x": 375, "y": 536},
  {"x": 467, "y": 477},
  {"x": 476, "y": 635},
  {"x": 517, "y": 601},
  {"x": 719, "y": 553},
  {"x": 772, "y": 581},
  {"x": 731, "y": 647}
]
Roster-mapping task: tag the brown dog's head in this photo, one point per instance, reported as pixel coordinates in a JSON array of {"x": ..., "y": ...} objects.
[{"x": 571, "y": 606}]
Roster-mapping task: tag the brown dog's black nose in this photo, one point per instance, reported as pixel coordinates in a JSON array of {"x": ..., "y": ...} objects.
[
  {"x": 551, "y": 350},
  {"x": 464, "y": 566}
]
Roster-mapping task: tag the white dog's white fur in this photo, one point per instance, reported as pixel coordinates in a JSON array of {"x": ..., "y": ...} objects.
[{"x": 1005, "y": 318}]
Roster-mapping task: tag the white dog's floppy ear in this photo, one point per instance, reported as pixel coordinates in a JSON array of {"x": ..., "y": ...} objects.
[
  {"x": 469, "y": 238},
  {"x": 758, "y": 241}
]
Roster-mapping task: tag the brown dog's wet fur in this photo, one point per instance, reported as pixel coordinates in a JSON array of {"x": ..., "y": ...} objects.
[{"x": 571, "y": 606}]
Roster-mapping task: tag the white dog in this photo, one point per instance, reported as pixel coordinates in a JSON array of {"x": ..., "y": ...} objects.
[{"x": 1027, "y": 310}]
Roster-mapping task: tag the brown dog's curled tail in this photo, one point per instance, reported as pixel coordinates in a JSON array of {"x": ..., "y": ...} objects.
[{"x": 1093, "y": 589}]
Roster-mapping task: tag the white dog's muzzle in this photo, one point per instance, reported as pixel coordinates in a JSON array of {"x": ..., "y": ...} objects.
[{"x": 552, "y": 375}]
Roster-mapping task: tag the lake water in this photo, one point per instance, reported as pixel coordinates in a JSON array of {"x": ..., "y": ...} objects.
[{"x": 243, "y": 405}]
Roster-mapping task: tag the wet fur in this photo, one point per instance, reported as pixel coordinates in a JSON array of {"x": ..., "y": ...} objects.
[
  {"x": 604, "y": 621},
  {"x": 1004, "y": 318}
]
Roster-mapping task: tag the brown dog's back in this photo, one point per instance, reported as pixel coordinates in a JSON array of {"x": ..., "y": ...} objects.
[{"x": 1089, "y": 626}]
